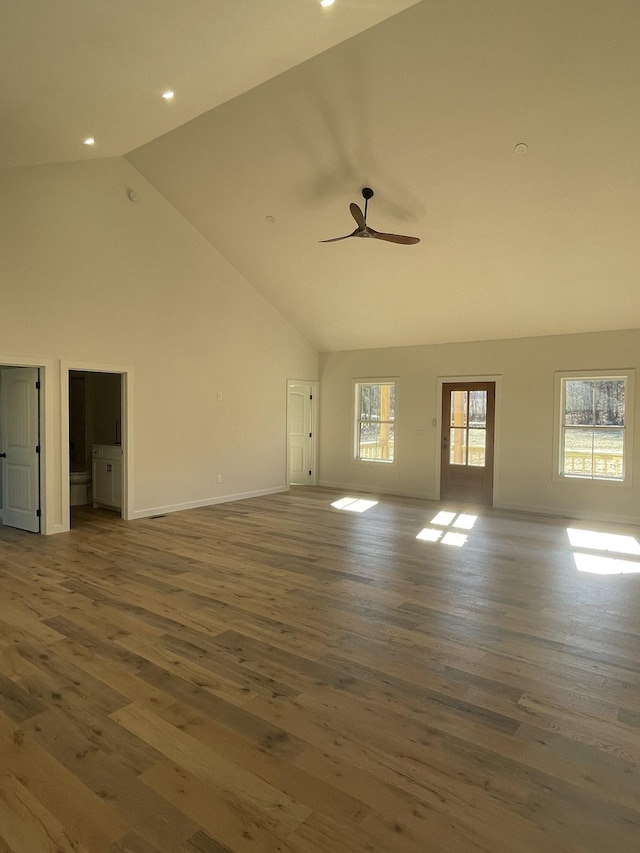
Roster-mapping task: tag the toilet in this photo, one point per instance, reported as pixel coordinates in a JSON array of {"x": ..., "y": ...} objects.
[{"x": 79, "y": 487}]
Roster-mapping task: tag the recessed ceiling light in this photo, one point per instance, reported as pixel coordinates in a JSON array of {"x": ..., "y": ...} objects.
[
  {"x": 270, "y": 219},
  {"x": 326, "y": 3},
  {"x": 521, "y": 148},
  {"x": 89, "y": 141},
  {"x": 168, "y": 95}
]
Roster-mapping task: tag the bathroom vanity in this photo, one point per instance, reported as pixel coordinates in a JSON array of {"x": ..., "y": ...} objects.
[{"x": 107, "y": 475}]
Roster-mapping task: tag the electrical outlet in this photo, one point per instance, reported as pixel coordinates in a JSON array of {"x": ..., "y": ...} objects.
[
  {"x": 549, "y": 487},
  {"x": 219, "y": 478}
]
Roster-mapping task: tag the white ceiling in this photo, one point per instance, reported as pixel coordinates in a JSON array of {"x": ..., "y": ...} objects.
[
  {"x": 425, "y": 107},
  {"x": 70, "y": 69}
]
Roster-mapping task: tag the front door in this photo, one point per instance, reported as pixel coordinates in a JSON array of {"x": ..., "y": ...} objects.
[
  {"x": 19, "y": 448},
  {"x": 468, "y": 417}
]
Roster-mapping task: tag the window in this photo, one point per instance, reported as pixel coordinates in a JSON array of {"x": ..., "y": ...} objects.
[
  {"x": 594, "y": 423},
  {"x": 375, "y": 416}
]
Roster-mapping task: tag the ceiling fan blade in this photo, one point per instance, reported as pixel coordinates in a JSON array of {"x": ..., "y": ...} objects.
[
  {"x": 393, "y": 238},
  {"x": 335, "y": 239},
  {"x": 363, "y": 230},
  {"x": 357, "y": 215}
]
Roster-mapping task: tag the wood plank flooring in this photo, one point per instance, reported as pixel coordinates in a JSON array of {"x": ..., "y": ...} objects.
[{"x": 280, "y": 676}]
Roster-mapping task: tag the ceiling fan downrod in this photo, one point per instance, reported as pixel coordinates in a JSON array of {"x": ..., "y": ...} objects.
[{"x": 367, "y": 193}]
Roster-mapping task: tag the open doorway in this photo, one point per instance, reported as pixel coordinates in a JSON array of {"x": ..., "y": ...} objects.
[{"x": 96, "y": 448}]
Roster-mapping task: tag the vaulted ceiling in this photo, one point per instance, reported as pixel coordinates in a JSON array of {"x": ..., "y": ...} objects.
[{"x": 283, "y": 111}]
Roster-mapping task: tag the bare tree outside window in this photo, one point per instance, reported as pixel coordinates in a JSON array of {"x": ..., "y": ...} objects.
[{"x": 593, "y": 428}]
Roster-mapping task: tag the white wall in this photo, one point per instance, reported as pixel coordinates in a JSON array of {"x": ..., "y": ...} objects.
[
  {"x": 90, "y": 279},
  {"x": 525, "y": 371}
]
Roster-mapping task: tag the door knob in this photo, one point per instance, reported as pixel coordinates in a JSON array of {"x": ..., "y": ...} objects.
[{"x": 3, "y": 455}]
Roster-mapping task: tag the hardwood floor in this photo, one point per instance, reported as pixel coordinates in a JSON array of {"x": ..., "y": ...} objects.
[{"x": 279, "y": 675}]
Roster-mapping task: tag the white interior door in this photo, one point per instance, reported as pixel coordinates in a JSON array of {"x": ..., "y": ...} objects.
[
  {"x": 19, "y": 447},
  {"x": 301, "y": 438}
]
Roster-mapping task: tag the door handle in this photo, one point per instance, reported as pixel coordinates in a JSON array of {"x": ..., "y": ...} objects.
[{"x": 3, "y": 455}]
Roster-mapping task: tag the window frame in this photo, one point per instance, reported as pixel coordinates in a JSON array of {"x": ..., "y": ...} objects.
[
  {"x": 357, "y": 421},
  {"x": 561, "y": 379}
]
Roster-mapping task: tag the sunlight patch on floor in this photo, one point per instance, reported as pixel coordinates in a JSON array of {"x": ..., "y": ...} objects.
[
  {"x": 457, "y": 539},
  {"x": 465, "y": 521},
  {"x": 597, "y": 564},
  {"x": 429, "y": 534},
  {"x": 444, "y": 518},
  {"x": 353, "y": 504},
  {"x": 592, "y": 540}
]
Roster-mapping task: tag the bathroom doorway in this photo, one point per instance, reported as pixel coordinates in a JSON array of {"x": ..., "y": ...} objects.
[{"x": 96, "y": 450}]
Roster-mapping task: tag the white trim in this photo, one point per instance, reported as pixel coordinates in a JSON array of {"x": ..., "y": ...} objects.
[
  {"x": 162, "y": 510},
  {"x": 629, "y": 375},
  {"x": 369, "y": 490},
  {"x": 568, "y": 514},
  {"x": 496, "y": 378}
]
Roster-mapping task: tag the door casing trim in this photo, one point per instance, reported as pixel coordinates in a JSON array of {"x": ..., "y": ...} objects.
[{"x": 126, "y": 374}]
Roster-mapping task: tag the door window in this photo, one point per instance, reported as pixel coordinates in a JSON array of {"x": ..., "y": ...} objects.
[{"x": 468, "y": 428}]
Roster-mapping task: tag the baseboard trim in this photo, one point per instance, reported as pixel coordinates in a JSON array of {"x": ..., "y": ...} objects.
[
  {"x": 362, "y": 487},
  {"x": 55, "y": 528},
  {"x": 551, "y": 512},
  {"x": 558, "y": 512},
  {"x": 222, "y": 499}
]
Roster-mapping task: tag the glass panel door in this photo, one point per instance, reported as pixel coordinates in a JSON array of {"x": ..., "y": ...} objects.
[
  {"x": 467, "y": 437},
  {"x": 468, "y": 428}
]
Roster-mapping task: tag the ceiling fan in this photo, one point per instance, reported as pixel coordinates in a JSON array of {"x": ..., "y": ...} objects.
[{"x": 363, "y": 230}]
